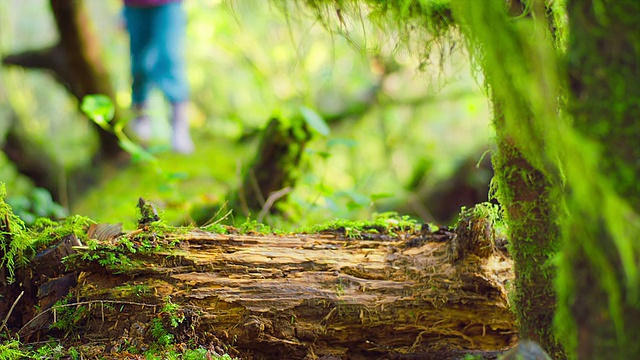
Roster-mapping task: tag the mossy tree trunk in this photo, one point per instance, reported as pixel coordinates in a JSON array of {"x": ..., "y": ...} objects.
[
  {"x": 508, "y": 51},
  {"x": 533, "y": 235},
  {"x": 273, "y": 173},
  {"x": 604, "y": 70}
]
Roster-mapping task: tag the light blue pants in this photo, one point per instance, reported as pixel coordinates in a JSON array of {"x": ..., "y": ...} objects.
[{"x": 156, "y": 39}]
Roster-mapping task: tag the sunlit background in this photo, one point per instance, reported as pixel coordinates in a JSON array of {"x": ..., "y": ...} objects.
[{"x": 402, "y": 121}]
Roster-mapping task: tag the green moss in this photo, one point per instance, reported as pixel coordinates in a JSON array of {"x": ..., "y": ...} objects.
[
  {"x": 255, "y": 227},
  {"x": 428, "y": 23},
  {"x": 386, "y": 223},
  {"x": 10, "y": 350},
  {"x": 534, "y": 238},
  {"x": 125, "y": 254},
  {"x": 46, "y": 231},
  {"x": 18, "y": 243},
  {"x": 16, "y": 246}
]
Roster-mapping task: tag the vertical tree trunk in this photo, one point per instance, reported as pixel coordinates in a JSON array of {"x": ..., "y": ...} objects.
[
  {"x": 523, "y": 191},
  {"x": 604, "y": 78},
  {"x": 76, "y": 62},
  {"x": 510, "y": 52},
  {"x": 86, "y": 72}
]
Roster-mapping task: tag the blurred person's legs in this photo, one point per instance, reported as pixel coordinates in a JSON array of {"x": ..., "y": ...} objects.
[
  {"x": 138, "y": 22},
  {"x": 157, "y": 36},
  {"x": 170, "y": 71}
]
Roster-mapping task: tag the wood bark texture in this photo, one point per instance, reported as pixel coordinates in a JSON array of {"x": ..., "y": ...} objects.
[{"x": 409, "y": 295}]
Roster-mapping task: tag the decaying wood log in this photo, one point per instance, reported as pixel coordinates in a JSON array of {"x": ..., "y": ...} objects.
[{"x": 410, "y": 295}]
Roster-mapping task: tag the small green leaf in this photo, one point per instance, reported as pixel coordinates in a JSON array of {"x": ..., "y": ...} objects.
[
  {"x": 98, "y": 108},
  {"x": 315, "y": 121}
]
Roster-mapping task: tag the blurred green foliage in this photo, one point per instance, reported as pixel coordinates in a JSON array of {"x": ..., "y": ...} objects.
[
  {"x": 35, "y": 204},
  {"x": 248, "y": 61}
]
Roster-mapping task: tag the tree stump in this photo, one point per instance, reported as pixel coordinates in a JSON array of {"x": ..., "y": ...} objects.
[{"x": 273, "y": 173}]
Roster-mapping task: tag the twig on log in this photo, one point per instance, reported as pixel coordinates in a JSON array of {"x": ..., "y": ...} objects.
[
  {"x": 273, "y": 197},
  {"x": 6, "y": 318}
]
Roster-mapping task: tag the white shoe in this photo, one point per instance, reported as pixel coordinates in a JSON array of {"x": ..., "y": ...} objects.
[
  {"x": 180, "y": 138},
  {"x": 142, "y": 128},
  {"x": 141, "y": 125}
]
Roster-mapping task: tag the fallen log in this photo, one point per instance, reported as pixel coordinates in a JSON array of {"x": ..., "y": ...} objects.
[{"x": 337, "y": 294}]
